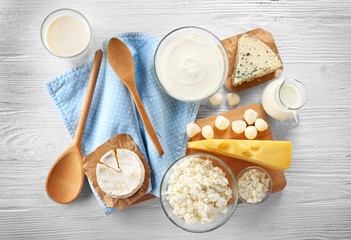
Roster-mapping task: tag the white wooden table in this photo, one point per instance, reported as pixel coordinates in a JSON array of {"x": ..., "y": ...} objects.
[{"x": 314, "y": 40}]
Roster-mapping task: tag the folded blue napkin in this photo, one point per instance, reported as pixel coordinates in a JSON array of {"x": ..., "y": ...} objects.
[{"x": 114, "y": 112}]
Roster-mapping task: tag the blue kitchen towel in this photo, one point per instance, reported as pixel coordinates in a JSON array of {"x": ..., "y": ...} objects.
[{"x": 114, "y": 112}]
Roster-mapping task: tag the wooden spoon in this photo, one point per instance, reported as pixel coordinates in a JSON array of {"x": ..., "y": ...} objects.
[
  {"x": 122, "y": 63},
  {"x": 65, "y": 179}
]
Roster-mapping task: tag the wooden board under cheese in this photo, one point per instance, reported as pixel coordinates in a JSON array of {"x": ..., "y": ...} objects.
[{"x": 278, "y": 177}]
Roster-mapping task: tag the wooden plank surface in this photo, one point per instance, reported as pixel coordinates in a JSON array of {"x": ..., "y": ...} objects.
[
  {"x": 237, "y": 165},
  {"x": 314, "y": 41}
]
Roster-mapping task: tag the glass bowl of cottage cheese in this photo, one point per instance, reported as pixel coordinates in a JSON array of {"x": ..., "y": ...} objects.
[{"x": 199, "y": 192}]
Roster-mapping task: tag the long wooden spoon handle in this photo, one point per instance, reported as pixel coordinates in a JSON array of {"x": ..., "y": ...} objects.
[
  {"x": 146, "y": 121},
  {"x": 88, "y": 98}
]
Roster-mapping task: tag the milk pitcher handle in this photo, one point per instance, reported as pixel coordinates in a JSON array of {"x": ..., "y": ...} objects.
[{"x": 292, "y": 122}]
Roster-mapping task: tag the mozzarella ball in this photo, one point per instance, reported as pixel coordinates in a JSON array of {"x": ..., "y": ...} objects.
[
  {"x": 250, "y": 132},
  {"x": 261, "y": 124},
  {"x": 216, "y": 99},
  {"x": 221, "y": 123},
  {"x": 233, "y": 99},
  {"x": 239, "y": 126},
  {"x": 192, "y": 129},
  {"x": 250, "y": 116},
  {"x": 207, "y": 132}
]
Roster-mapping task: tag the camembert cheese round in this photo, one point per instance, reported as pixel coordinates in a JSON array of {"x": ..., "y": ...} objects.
[{"x": 120, "y": 174}]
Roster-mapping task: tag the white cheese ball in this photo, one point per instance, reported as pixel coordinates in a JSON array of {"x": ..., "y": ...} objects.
[
  {"x": 261, "y": 125},
  {"x": 233, "y": 99},
  {"x": 250, "y": 132},
  {"x": 239, "y": 126},
  {"x": 192, "y": 129},
  {"x": 216, "y": 99},
  {"x": 250, "y": 116},
  {"x": 207, "y": 132},
  {"x": 222, "y": 123}
]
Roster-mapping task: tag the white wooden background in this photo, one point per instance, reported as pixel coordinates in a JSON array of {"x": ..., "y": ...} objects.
[{"x": 314, "y": 40}]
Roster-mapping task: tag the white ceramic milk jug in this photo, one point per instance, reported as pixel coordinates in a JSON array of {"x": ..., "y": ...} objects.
[{"x": 283, "y": 98}]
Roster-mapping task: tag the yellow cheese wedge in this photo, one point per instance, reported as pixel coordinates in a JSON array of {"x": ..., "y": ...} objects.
[{"x": 270, "y": 154}]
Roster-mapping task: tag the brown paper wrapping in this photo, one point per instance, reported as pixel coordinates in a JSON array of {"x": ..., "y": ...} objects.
[
  {"x": 89, "y": 166},
  {"x": 230, "y": 45}
]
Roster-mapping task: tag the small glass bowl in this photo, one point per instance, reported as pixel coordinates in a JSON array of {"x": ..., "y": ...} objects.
[
  {"x": 204, "y": 33},
  {"x": 270, "y": 187},
  {"x": 220, "y": 219}
]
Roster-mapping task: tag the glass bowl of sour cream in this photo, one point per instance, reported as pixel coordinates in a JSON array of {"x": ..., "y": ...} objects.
[
  {"x": 199, "y": 192},
  {"x": 191, "y": 64}
]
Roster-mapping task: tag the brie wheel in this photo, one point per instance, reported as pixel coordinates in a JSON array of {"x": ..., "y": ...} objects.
[{"x": 120, "y": 177}]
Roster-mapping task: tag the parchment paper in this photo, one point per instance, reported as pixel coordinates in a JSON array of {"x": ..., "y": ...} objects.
[
  {"x": 89, "y": 166},
  {"x": 231, "y": 44}
]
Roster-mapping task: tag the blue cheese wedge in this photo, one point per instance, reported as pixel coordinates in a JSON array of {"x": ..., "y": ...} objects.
[{"x": 254, "y": 59}]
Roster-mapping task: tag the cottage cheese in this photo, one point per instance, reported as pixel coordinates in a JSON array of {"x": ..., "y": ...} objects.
[
  {"x": 197, "y": 191},
  {"x": 253, "y": 186}
]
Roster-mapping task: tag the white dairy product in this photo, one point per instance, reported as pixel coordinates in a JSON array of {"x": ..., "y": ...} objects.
[
  {"x": 222, "y": 123},
  {"x": 261, "y": 125},
  {"x": 251, "y": 132},
  {"x": 250, "y": 116},
  {"x": 192, "y": 129},
  {"x": 197, "y": 191},
  {"x": 120, "y": 175},
  {"x": 216, "y": 99},
  {"x": 233, "y": 99},
  {"x": 190, "y": 66},
  {"x": 207, "y": 132},
  {"x": 272, "y": 99},
  {"x": 253, "y": 185},
  {"x": 239, "y": 126},
  {"x": 67, "y": 36}
]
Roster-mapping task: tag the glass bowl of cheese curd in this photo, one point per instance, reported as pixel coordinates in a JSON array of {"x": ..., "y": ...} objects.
[
  {"x": 199, "y": 193},
  {"x": 255, "y": 185}
]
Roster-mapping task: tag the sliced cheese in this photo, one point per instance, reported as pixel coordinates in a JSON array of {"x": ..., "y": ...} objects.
[
  {"x": 270, "y": 154},
  {"x": 110, "y": 159},
  {"x": 126, "y": 179},
  {"x": 254, "y": 59}
]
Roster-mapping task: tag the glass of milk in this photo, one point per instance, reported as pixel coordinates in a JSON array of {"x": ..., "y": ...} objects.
[
  {"x": 66, "y": 34},
  {"x": 283, "y": 98}
]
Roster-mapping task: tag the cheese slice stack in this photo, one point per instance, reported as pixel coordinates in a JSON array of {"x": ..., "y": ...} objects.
[
  {"x": 120, "y": 174},
  {"x": 270, "y": 154},
  {"x": 254, "y": 59}
]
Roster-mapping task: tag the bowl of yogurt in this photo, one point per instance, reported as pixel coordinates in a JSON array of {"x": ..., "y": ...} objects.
[{"x": 191, "y": 64}]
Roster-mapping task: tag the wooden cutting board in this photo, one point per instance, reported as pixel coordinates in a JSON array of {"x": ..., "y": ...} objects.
[{"x": 278, "y": 177}]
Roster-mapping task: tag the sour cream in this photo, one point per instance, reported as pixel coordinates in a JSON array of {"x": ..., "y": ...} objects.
[{"x": 190, "y": 66}]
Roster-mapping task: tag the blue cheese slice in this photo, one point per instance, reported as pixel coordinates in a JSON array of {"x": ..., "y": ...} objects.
[{"x": 254, "y": 59}]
